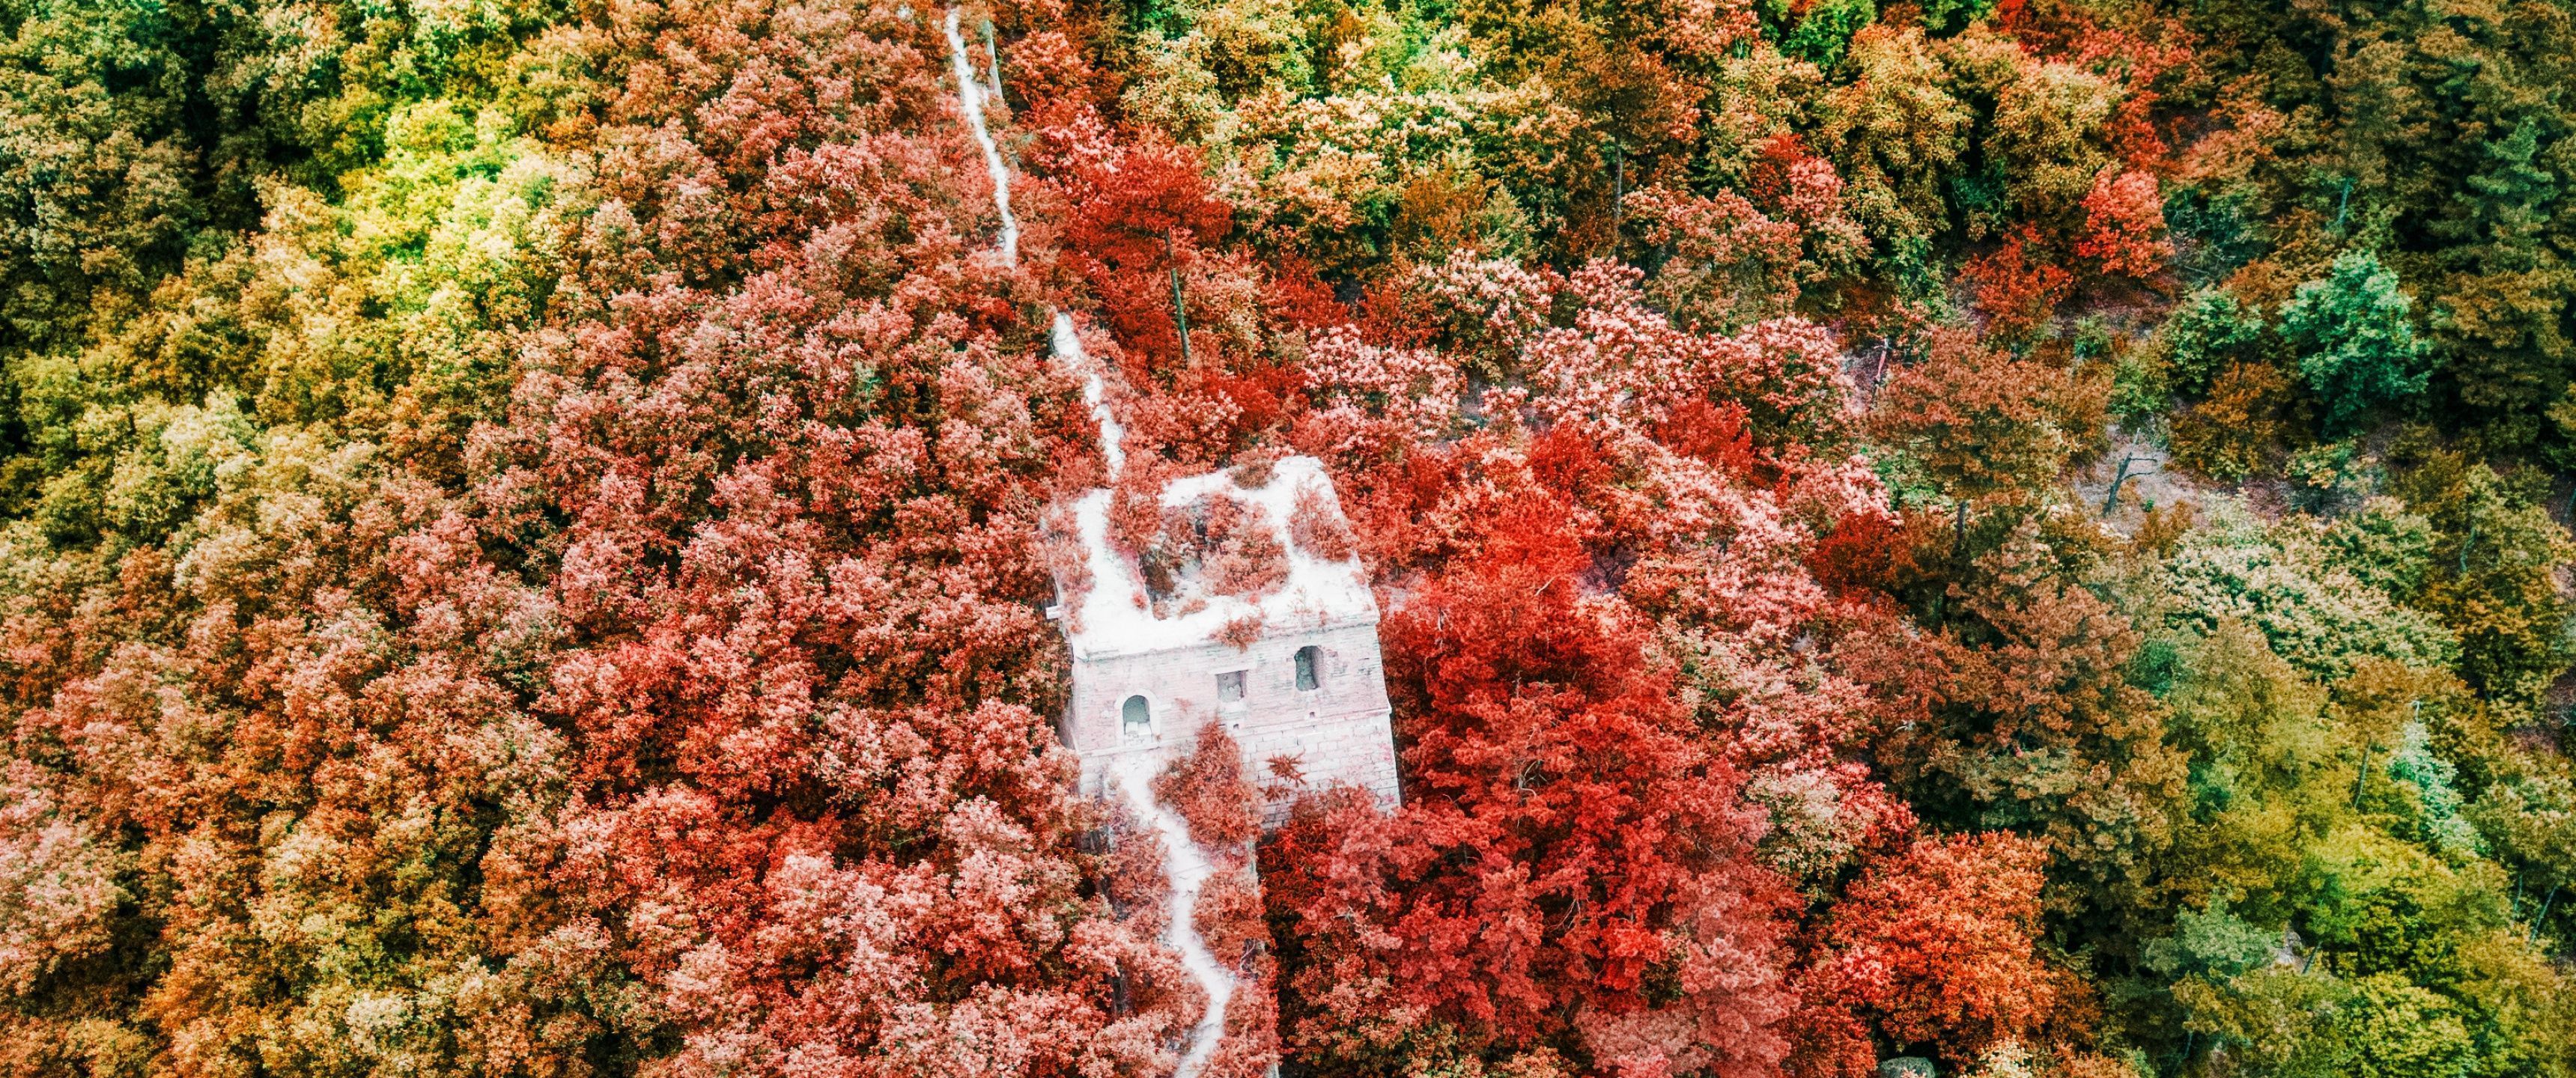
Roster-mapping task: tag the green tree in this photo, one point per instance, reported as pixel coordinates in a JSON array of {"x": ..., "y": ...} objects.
[
  {"x": 2357, "y": 346},
  {"x": 2210, "y": 943},
  {"x": 2492, "y": 576},
  {"x": 2502, "y": 313},
  {"x": 2391, "y": 1029},
  {"x": 1826, "y": 30},
  {"x": 2207, "y": 332},
  {"x": 2281, "y": 581}
]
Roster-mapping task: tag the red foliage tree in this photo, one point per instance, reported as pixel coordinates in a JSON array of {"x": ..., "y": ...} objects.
[
  {"x": 2124, "y": 223},
  {"x": 1138, "y": 214},
  {"x": 1936, "y": 945},
  {"x": 2019, "y": 283},
  {"x": 1572, "y": 867},
  {"x": 785, "y": 461}
]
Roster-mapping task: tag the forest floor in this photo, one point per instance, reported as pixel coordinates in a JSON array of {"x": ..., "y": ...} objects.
[{"x": 2147, "y": 479}]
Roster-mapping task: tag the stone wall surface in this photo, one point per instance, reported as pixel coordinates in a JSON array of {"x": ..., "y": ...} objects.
[
  {"x": 1167, "y": 654},
  {"x": 1335, "y": 733}
]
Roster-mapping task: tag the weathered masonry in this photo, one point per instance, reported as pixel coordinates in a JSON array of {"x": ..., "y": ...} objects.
[{"x": 1289, "y": 666}]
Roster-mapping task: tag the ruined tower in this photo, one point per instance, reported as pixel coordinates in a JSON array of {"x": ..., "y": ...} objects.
[{"x": 1250, "y": 609}]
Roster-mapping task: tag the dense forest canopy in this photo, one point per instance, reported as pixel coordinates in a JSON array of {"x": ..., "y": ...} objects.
[{"x": 2006, "y": 538}]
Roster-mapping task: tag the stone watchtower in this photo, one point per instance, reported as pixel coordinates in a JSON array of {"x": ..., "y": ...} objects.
[{"x": 1248, "y": 607}]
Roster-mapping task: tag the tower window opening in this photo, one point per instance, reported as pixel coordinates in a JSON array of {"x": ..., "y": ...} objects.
[
  {"x": 1309, "y": 668},
  {"x": 1136, "y": 719},
  {"x": 1229, "y": 687}
]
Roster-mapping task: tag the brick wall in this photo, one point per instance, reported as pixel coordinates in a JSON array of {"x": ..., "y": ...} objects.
[{"x": 1335, "y": 733}]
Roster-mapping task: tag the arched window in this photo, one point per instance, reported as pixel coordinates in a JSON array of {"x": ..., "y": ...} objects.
[
  {"x": 1310, "y": 668},
  {"x": 1136, "y": 720}
]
